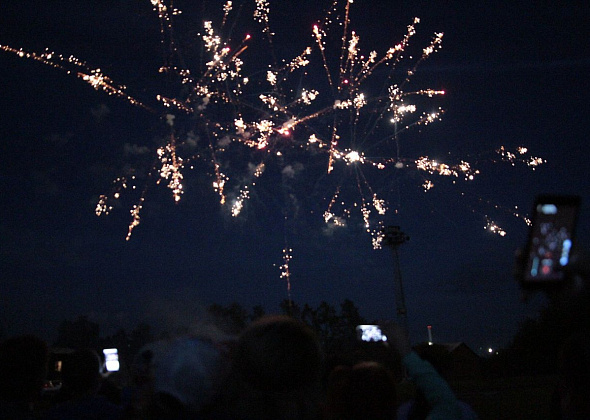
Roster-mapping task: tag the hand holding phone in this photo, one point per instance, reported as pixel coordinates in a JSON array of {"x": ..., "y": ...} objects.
[
  {"x": 550, "y": 241},
  {"x": 397, "y": 337}
]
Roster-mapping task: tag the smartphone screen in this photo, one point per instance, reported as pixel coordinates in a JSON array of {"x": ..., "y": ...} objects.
[
  {"x": 111, "y": 360},
  {"x": 550, "y": 238},
  {"x": 370, "y": 333}
]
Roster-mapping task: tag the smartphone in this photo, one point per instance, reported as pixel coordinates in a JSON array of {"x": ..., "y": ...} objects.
[
  {"x": 370, "y": 333},
  {"x": 551, "y": 239},
  {"x": 111, "y": 360}
]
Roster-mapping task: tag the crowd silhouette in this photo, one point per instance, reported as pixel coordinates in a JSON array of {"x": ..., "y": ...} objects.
[{"x": 276, "y": 368}]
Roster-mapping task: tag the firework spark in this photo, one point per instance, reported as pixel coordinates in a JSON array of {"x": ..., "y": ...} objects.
[{"x": 343, "y": 108}]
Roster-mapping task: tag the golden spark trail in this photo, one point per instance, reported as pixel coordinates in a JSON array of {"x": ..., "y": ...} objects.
[{"x": 333, "y": 107}]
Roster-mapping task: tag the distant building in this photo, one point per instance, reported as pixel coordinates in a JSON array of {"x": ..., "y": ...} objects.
[{"x": 452, "y": 360}]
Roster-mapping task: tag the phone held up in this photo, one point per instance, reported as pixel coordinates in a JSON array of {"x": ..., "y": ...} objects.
[
  {"x": 370, "y": 333},
  {"x": 111, "y": 360},
  {"x": 550, "y": 241}
]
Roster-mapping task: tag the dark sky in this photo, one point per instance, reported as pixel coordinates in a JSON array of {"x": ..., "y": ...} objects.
[{"x": 514, "y": 75}]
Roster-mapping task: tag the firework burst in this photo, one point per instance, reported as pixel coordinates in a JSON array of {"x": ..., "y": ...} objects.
[{"x": 342, "y": 109}]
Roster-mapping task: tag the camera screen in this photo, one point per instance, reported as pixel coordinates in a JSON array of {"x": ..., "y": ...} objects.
[
  {"x": 370, "y": 333},
  {"x": 111, "y": 360},
  {"x": 551, "y": 240}
]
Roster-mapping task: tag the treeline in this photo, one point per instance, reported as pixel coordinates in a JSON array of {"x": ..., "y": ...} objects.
[
  {"x": 536, "y": 347},
  {"x": 335, "y": 325}
]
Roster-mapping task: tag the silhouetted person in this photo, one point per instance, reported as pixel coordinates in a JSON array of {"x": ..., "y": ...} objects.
[
  {"x": 574, "y": 383},
  {"x": 337, "y": 389},
  {"x": 23, "y": 366},
  {"x": 78, "y": 398},
  {"x": 275, "y": 373},
  {"x": 441, "y": 400},
  {"x": 364, "y": 392},
  {"x": 418, "y": 408},
  {"x": 176, "y": 378}
]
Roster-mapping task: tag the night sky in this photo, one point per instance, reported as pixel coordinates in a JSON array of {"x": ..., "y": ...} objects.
[{"x": 513, "y": 75}]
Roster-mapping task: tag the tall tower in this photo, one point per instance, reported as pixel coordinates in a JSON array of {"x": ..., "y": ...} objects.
[{"x": 393, "y": 238}]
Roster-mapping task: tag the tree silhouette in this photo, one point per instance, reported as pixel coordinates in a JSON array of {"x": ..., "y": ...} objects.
[
  {"x": 257, "y": 312},
  {"x": 333, "y": 327},
  {"x": 536, "y": 346},
  {"x": 231, "y": 319},
  {"x": 78, "y": 334},
  {"x": 288, "y": 307}
]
